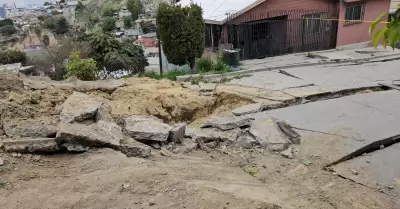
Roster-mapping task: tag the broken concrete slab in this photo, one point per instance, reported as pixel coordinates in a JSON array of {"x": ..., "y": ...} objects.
[
  {"x": 103, "y": 113},
  {"x": 248, "y": 109},
  {"x": 213, "y": 134},
  {"x": 31, "y": 145},
  {"x": 44, "y": 126},
  {"x": 207, "y": 87},
  {"x": 379, "y": 169},
  {"x": 132, "y": 148},
  {"x": 227, "y": 123},
  {"x": 143, "y": 128},
  {"x": 74, "y": 147},
  {"x": 178, "y": 132},
  {"x": 79, "y": 107},
  {"x": 358, "y": 121},
  {"x": 288, "y": 153},
  {"x": 188, "y": 145},
  {"x": 246, "y": 141},
  {"x": 98, "y": 134},
  {"x": 268, "y": 134},
  {"x": 294, "y": 137}
]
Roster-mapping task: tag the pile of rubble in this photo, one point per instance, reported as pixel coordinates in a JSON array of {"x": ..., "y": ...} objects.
[{"x": 83, "y": 122}]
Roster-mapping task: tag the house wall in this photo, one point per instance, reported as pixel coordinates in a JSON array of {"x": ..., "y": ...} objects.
[
  {"x": 358, "y": 32},
  {"x": 289, "y": 34}
]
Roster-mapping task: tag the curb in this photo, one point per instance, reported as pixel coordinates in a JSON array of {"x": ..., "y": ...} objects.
[{"x": 244, "y": 72}]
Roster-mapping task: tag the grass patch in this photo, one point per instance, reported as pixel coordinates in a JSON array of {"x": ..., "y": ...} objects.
[
  {"x": 252, "y": 171},
  {"x": 171, "y": 75}
]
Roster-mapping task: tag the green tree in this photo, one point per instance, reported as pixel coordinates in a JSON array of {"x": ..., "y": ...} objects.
[
  {"x": 127, "y": 22},
  {"x": 181, "y": 32},
  {"x": 107, "y": 11},
  {"x": 59, "y": 25},
  {"x": 46, "y": 40},
  {"x": 148, "y": 27},
  {"x": 80, "y": 7},
  {"x": 108, "y": 24},
  {"x": 135, "y": 7},
  {"x": 8, "y": 30},
  {"x": 46, "y": 3},
  {"x": 6, "y": 22},
  {"x": 42, "y": 17},
  {"x": 83, "y": 69},
  {"x": 388, "y": 35},
  {"x": 113, "y": 55}
]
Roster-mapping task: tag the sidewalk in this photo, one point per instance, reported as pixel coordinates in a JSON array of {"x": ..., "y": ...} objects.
[
  {"x": 320, "y": 57},
  {"x": 327, "y": 57}
]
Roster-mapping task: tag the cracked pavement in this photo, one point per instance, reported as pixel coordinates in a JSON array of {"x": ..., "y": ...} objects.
[{"x": 353, "y": 124}]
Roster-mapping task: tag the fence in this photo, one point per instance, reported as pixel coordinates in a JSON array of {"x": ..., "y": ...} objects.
[{"x": 281, "y": 32}]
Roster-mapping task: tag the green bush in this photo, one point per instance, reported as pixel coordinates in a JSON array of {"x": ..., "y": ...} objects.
[
  {"x": 83, "y": 69},
  {"x": 8, "y": 30},
  {"x": 12, "y": 56},
  {"x": 207, "y": 65},
  {"x": 171, "y": 75}
]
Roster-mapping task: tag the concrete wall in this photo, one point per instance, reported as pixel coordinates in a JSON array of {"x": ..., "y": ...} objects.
[{"x": 358, "y": 32}]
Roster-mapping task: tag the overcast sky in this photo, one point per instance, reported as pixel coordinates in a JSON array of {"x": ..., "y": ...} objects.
[{"x": 22, "y": 2}]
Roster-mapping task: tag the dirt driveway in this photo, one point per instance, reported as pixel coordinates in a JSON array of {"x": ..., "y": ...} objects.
[{"x": 106, "y": 179}]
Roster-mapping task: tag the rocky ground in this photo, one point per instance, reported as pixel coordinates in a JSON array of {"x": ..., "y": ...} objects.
[{"x": 142, "y": 143}]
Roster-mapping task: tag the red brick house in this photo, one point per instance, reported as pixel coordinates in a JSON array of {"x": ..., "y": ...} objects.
[{"x": 272, "y": 27}]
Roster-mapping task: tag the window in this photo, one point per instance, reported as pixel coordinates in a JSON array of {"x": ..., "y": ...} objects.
[
  {"x": 354, "y": 13},
  {"x": 311, "y": 25}
]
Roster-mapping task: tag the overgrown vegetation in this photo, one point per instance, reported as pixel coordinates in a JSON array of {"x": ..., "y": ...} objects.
[
  {"x": 148, "y": 27},
  {"x": 127, "y": 22},
  {"x": 114, "y": 55},
  {"x": 83, "y": 69},
  {"x": 170, "y": 75},
  {"x": 208, "y": 65},
  {"x": 135, "y": 7},
  {"x": 6, "y": 22},
  {"x": 58, "y": 24},
  {"x": 108, "y": 24},
  {"x": 182, "y": 33},
  {"x": 12, "y": 56},
  {"x": 8, "y": 30}
]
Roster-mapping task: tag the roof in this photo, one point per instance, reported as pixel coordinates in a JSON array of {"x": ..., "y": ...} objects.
[
  {"x": 149, "y": 35},
  {"x": 72, "y": 3},
  {"x": 132, "y": 32},
  {"x": 216, "y": 11}
]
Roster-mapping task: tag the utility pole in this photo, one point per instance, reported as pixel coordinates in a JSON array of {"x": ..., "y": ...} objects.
[{"x": 159, "y": 52}]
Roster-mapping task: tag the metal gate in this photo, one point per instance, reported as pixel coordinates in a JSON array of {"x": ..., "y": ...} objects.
[{"x": 282, "y": 35}]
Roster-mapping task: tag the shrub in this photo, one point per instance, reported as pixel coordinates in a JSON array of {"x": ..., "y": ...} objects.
[
  {"x": 8, "y": 30},
  {"x": 83, "y": 69},
  {"x": 204, "y": 65},
  {"x": 108, "y": 24},
  {"x": 207, "y": 65},
  {"x": 12, "y": 56}
]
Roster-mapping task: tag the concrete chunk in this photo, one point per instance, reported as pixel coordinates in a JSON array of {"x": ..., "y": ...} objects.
[
  {"x": 178, "y": 132},
  {"x": 79, "y": 107},
  {"x": 31, "y": 145},
  {"x": 227, "y": 123},
  {"x": 98, "y": 134},
  {"x": 246, "y": 141},
  {"x": 213, "y": 134},
  {"x": 248, "y": 109},
  {"x": 142, "y": 128},
  {"x": 207, "y": 87},
  {"x": 268, "y": 134},
  {"x": 132, "y": 148},
  {"x": 31, "y": 127}
]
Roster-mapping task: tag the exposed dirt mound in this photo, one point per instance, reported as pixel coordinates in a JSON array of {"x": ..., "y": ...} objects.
[
  {"x": 168, "y": 101},
  {"x": 164, "y": 99}
]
